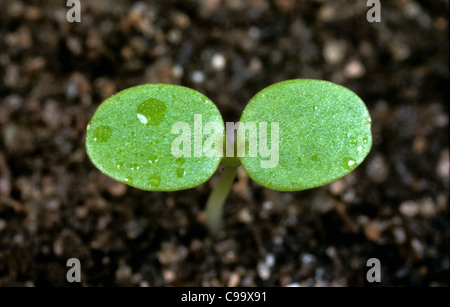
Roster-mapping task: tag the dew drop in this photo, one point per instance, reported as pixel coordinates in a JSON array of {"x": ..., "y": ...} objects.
[
  {"x": 181, "y": 172},
  {"x": 142, "y": 118},
  {"x": 314, "y": 158},
  {"x": 153, "y": 159},
  {"x": 128, "y": 180},
  {"x": 359, "y": 149},
  {"x": 102, "y": 133},
  {"x": 151, "y": 111},
  {"x": 349, "y": 163},
  {"x": 354, "y": 141},
  {"x": 120, "y": 165},
  {"x": 365, "y": 140},
  {"x": 134, "y": 166},
  {"x": 180, "y": 161},
  {"x": 315, "y": 108},
  {"x": 154, "y": 181}
]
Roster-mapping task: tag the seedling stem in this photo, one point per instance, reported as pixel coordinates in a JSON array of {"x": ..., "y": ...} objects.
[{"x": 216, "y": 200}]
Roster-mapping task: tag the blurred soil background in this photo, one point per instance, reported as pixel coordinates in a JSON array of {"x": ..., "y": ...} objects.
[{"x": 55, "y": 205}]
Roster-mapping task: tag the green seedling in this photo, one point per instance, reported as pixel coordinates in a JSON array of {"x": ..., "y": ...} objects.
[{"x": 293, "y": 135}]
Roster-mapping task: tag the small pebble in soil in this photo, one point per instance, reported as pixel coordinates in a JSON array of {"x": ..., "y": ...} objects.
[
  {"x": 267, "y": 205},
  {"x": 294, "y": 284},
  {"x": 263, "y": 271},
  {"x": 244, "y": 216},
  {"x": 264, "y": 266},
  {"x": 218, "y": 62},
  {"x": 123, "y": 273},
  {"x": 338, "y": 187},
  {"x": 308, "y": 264},
  {"x": 443, "y": 166},
  {"x": 133, "y": 229},
  {"x": 418, "y": 248},
  {"x": 334, "y": 51},
  {"x": 177, "y": 71},
  {"x": 171, "y": 253},
  {"x": 427, "y": 207},
  {"x": 409, "y": 208},
  {"x": 2, "y": 224},
  {"x": 354, "y": 69},
  {"x": 234, "y": 279},
  {"x": 399, "y": 235},
  {"x": 170, "y": 276},
  {"x": 373, "y": 229},
  {"x": 376, "y": 169},
  {"x": 198, "y": 77}
]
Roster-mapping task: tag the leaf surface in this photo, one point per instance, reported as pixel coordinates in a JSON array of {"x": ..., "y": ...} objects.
[
  {"x": 324, "y": 133},
  {"x": 131, "y": 136}
]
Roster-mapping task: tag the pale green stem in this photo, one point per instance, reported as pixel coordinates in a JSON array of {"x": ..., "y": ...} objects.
[{"x": 216, "y": 200}]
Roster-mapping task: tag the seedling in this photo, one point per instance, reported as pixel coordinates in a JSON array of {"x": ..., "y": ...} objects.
[{"x": 293, "y": 135}]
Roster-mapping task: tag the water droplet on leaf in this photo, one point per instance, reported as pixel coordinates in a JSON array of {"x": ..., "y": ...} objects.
[
  {"x": 153, "y": 159},
  {"x": 180, "y": 161},
  {"x": 151, "y": 111},
  {"x": 154, "y": 181},
  {"x": 128, "y": 180},
  {"x": 102, "y": 133},
  {"x": 181, "y": 172},
  {"x": 365, "y": 140},
  {"x": 142, "y": 118},
  {"x": 349, "y": 163}
]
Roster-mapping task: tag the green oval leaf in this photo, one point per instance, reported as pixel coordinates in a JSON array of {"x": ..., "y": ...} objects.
[
  {"x": 153, "y": 137},
  {"x": 324, "y": 132}
]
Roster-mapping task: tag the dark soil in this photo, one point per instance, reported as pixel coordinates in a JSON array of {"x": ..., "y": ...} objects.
[{"x": 55, "y": 205}]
